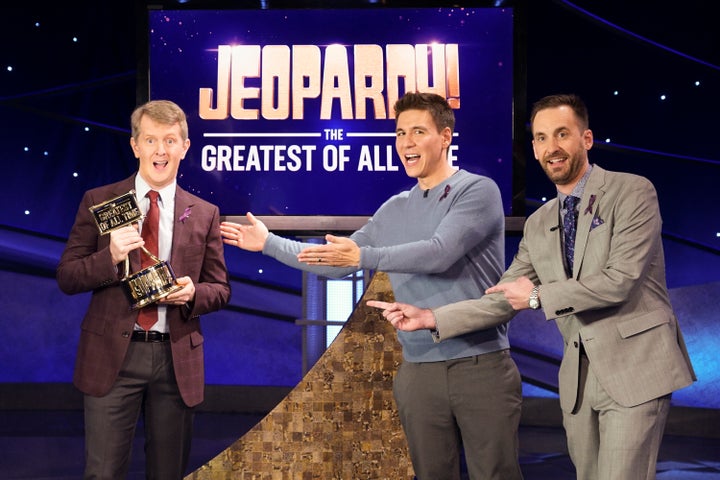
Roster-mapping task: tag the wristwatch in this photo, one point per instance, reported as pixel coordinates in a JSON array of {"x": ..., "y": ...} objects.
[{"x": 534, "y": 300}]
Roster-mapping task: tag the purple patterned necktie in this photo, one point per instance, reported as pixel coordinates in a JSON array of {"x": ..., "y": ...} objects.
[{"x": 569, "y": 229}]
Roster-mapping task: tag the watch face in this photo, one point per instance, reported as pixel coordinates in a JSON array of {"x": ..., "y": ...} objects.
[{"x": 533, "y": 301}]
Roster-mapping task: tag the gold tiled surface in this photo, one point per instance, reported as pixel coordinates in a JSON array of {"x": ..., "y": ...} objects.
[{"x": 339, "y": 422}]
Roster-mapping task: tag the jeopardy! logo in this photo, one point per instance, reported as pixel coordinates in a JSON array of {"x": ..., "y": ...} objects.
[{"x": 274, "y": 82}]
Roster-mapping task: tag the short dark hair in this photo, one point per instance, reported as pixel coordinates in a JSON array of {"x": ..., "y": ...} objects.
[
  {"x": 563, "y": 99},
  {"x": 440, "y": 111}
]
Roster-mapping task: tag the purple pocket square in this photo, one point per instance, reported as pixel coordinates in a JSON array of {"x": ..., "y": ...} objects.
[{"x": 596, "y": 222}]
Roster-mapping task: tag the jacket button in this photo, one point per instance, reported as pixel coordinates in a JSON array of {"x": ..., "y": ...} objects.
[{"x": 575, "y": 344}]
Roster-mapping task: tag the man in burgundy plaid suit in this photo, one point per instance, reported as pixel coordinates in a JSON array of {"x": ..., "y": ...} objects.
[{"x": 123, "y": 369}]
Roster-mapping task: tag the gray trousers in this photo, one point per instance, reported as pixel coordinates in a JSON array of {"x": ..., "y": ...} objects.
[
  {"x": 472, "y": 404},
  {"x": 607, "y": 441}
]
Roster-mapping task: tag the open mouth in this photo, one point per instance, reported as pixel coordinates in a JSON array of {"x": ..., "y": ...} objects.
[
  {"x": 160, "y": 165},
  {"x": 411, "y": 158}
]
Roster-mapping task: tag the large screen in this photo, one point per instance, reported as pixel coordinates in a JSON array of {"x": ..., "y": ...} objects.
[{"x": 291, "y": 111}]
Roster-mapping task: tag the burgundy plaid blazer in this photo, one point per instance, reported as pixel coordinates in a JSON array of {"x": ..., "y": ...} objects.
[{"x": 86, "y": 266}]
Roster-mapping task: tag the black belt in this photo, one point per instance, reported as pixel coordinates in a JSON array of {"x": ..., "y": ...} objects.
[{"x": 149, "y": 336}]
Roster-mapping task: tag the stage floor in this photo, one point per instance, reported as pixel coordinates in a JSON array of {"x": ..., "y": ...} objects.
[{"x": 48, "y": 445}]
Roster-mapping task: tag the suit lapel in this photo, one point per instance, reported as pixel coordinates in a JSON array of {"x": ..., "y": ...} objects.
[
  {"x": 182, "y": 226},
  {"x": 552, "y": 238},
  {"x": 592, "y": 196}
]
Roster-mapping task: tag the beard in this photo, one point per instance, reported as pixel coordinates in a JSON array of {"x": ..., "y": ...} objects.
[{"x": 568, "y": 172}]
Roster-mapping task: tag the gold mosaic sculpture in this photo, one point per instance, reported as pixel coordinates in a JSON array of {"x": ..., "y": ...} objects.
[{"x": 339, "y": 422}]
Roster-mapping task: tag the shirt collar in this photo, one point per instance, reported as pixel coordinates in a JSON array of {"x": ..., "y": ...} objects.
[
  {"x": 579, "y": 187},
  {"x": 167, "y": 194}
]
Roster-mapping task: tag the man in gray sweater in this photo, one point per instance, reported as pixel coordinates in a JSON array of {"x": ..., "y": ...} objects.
[{"x": 440, "y": 242}]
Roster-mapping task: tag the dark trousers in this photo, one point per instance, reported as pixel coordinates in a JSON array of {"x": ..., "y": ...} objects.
[
  {"x": 147, "y": 384},
  {"x": 472, "y": 402}
]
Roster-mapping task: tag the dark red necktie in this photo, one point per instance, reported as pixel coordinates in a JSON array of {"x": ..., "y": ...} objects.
[{"x": 147, "y": 316}]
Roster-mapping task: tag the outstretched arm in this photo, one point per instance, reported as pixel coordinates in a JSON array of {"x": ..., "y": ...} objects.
[
  {"x": 250, "y": 237},
  {"x": 254, "y": 236},
  {"x": 517, "y": 293},
  {"x": 337, "y": 252},
  {"x": 404, "y": 316}
]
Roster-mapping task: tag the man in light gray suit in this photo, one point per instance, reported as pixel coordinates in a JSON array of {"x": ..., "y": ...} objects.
[{"x": 605, "y": 288}]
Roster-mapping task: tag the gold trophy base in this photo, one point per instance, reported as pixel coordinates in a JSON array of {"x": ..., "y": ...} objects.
[{"x": 150, "y": 285}]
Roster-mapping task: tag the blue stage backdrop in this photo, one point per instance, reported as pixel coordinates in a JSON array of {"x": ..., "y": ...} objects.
[
  {"x": 653, "y": 101},
  {"x": 290, "y": 111}
]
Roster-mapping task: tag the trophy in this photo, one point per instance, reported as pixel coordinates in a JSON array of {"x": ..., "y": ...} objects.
[{"x": 151, "y": 283}]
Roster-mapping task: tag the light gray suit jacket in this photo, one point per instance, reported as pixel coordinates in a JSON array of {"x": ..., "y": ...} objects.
[{"x": 616, "y": 302}]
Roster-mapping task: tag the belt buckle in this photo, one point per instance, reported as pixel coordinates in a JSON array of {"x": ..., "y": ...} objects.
[{"x": 147, "y": 335}]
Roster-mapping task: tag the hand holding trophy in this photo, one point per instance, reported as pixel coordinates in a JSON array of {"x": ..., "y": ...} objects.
[{"x": 151, "y": 283}]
